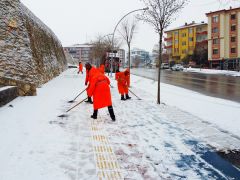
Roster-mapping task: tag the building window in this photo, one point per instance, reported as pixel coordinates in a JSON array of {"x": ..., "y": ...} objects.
[
  {"x": 233, "y": 39},
  {"x": 176, "y": 41},
  {"x": 199, "y": 29},
  {"x": 233, "y": 16},
  {"x": 176, "y": 50},
  {"x": 183, "y": 34},
  {"x": 190, "y": 30},
  {"x": 215, "y": 19},
  {"x": 233, "y": 28},
  {"x": 233, "y": 50},
  {"x": 215, "y": 41},
  {"x": 191, "y": 39},
  {"x": 215, "y": 30},
  {"x": 184, "y": 51},
  {"x": 176, "y": 33},
  {"x": 215, "y": 51},
  {"x": 184, "y": 43}
]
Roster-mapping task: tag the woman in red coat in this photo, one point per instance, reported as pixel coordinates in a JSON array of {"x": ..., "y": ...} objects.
[
  {"x": 90, "y": 71},
  {"x": 122, "y": 82},
  {"x": 102, "y": 68},
  {"x": 100, "y": 90},
  {"x": 80, "y": 67}
]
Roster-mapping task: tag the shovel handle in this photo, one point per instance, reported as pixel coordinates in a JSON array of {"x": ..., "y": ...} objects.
[
  {"x": 79, "y": 94},
  {"x": 76, "y": 105},
  {"x": 134, "y": 94}
]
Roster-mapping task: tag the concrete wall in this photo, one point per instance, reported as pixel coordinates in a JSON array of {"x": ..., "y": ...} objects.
[{"x": 29, "y": 51}]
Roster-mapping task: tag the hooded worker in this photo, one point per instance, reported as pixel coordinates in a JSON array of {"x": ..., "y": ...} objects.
[
  {"x": 80, "y": 67},
  {"x": 122, "y": 82},
  {"x": 100, "y": 90},
  {"x": 102, "y": 68},
  {"x": 90, "y": 71}
]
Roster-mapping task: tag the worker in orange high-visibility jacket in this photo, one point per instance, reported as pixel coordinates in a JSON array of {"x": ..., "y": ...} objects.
[
  {"x": 90, "y": 71},
  {"x": 80, "y": 67},
  {"x": 102, "y": 68},
  {"x": 100, "y": 90},
  {"x": 127, "y": 76},
  {"x": 122, "y": 83}
]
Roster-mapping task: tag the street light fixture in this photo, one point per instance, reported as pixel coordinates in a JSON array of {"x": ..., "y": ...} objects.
[{"x": 143, "y": 9}]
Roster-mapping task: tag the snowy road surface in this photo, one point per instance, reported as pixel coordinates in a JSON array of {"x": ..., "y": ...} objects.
[{"x": 147, "y": 141}]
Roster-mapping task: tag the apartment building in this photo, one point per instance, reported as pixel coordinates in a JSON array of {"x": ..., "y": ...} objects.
[
  {"x": 224, "y": 38},
  {"x": 182, "y": 41},
  {"x": 139, "y": 57},
  {"x": 81, "y": 52}
]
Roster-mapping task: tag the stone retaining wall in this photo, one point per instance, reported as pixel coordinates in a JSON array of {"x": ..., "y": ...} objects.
[
  {"x": 29, "y": 51},
  {"x": 23, "y": 88}
]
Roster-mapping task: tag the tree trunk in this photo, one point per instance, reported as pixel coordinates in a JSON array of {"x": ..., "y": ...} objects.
[
  {"x": 159, "y": 66},
  {"x": 129, "y": 62}
]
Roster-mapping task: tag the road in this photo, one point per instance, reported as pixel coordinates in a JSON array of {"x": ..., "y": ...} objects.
[{"x": 220, "y": 86}]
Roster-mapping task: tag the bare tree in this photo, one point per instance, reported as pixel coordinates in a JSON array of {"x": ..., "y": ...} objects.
[
  {"x": 100, "y": 46},
  {"x": 160, "y": 15},
  {"x": 127, "y": 31}
]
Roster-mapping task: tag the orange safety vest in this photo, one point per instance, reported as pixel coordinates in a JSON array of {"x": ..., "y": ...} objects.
[
  {"x": 100, "y": 90},
  {"x": 121, "y": 83}
]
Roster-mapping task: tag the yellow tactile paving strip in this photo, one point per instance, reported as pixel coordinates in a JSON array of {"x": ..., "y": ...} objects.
[{"x": 106, "y": 161}]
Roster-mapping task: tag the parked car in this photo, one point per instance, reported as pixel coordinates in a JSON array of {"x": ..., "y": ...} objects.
[
  {"x": 177, "y": 67},
  {"x": 72, "y": 66},
  {"x": 164, "y": 66}
]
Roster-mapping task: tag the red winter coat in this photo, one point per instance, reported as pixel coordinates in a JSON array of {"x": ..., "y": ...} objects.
[
  {"x": 102, "y": 68},
  {"x": 128, "y": 77},
  {"x": 122, "y": 83},
  {"x": 80, "y": 67},
  {"x": 99, "y": 89},
  {"x": 90, "y": 73}
]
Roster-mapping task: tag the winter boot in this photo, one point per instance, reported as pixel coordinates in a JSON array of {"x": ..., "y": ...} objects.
[
  {"x": 127, "y": 96},
  {"x": 110, "y": 110},
  {"x": 122, "y": 98},
  {"x": 89, "y": 100},
  {"x": 94, "y": 116}
]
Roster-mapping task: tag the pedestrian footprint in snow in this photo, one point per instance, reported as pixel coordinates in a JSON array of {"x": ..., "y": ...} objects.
[
  {"x": 123, "y": 82},
  {"x": 100, "y": 90}
]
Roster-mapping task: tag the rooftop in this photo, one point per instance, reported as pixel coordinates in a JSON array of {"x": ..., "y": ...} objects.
[
  {"x": 80, "y": 45},
  {"x": 223, "y": 11},
  {"x": 193, "y": 24}
]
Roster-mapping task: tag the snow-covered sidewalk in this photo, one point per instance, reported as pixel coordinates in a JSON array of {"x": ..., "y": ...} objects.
[{"x": 147, "y": 141}]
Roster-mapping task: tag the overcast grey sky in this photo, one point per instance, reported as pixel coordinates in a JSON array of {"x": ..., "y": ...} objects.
[{"x": 80, "y": 21}]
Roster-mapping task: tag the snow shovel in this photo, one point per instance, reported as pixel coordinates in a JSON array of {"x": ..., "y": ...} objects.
[
  {"x": 64, "y": 115},
  {"x": 77, "y": 96},
  {"x": 134, "y": 94}
]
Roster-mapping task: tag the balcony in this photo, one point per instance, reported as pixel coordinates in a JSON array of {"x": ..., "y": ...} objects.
[
  {"x": 202, "y": 42},
  {"x": 168, "y": 39},
  {"x": 202, "y": 33},
  {"x": 168, "y": 47}
]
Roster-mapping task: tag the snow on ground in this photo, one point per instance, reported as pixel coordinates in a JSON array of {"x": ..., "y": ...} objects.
[
  {"x": 213, "y": 71},
  {"x": 147, "y": 141},
  {"x": 223, "y": 113},
  {"x": 5, "y": 87}
]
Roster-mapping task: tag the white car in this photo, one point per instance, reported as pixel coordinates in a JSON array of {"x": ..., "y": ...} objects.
[
  {"x": 177, "y": 67},
  {"x": 164, "y": 66}
]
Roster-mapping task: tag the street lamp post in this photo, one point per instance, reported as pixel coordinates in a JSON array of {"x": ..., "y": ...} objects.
[{"x": 143, "y": 9}]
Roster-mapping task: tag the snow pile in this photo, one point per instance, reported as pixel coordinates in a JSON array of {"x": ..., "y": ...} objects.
[{"x": 213, "y": 71}]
